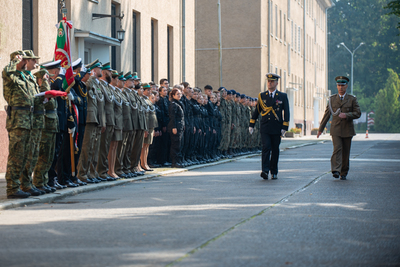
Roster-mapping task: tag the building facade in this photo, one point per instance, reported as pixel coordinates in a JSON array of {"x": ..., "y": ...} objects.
[
  {"x": 238, "y": 42},
  {"x": 159, "y": 37}
]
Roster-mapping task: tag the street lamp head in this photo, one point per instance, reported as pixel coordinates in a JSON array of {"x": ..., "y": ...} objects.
[
  {"x": 342, "y": 43},
  {"x": 362, "y": 43}
]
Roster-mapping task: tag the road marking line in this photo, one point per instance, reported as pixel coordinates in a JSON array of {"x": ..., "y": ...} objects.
[{"x": 328, "y": 159}]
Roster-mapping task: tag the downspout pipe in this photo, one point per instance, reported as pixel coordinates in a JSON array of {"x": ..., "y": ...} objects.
[
  {"x": 183, "y": 41},
  {"x": 269, "y": 41},
  {"x": 220, "y": 43},
  {"x": 304, "y": 68}
]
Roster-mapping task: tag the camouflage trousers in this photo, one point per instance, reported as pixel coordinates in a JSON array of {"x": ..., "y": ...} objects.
[
  {"x": 18, "y": 149},
  {"x": 226, "y": 137},
  {"x": 46, "y": 154},
  {"x": 32, "y": 158}
]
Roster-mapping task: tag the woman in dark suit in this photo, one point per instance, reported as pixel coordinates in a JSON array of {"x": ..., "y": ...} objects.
[{"x": 176, "y": 126}]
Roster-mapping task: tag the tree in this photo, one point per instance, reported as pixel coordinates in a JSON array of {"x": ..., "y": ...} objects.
[
  {"x": 356, "y": 21},
  {"x": 395, "y": 7},
  {"x": 388, "y": 106}
]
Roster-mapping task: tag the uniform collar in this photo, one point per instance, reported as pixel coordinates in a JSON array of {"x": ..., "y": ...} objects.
[{"x": 273, "y": 93}]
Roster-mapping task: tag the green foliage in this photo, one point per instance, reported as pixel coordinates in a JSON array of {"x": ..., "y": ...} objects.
[
  {"x": 353, "y": 22},
  {"x": 395, "y": 7},
  {"x": 295, "y": 130},
  {"x": 387, "y": 105}
]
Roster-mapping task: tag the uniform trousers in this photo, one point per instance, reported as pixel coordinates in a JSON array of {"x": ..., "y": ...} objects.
[
  {"x": 87, "y": 152},
  {"x": 52, "y": 172},
  {"x": 137, "y": 149},
  {"x": 176, "y": 143},
  {"x": 163, "y": 148},
  {"x": 341, "y": 152},
  {"x": 105, "y": 140},
  {"x": 121, "y": 149},
  {"x": 18, "y": 147},
  {"x": 96, "y": 147},
  {"x": 33, "y": 154},
  {"x": 46, "y": 155},
  {"x": 63, "y": 166},
  {"x": 127, "y": 162},
  {"x": 270, "y": 152},
  {"x": 81, "y": 134}
]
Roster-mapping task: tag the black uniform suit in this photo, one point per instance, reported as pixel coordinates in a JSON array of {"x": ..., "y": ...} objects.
[{"x": 272, "y": 122}]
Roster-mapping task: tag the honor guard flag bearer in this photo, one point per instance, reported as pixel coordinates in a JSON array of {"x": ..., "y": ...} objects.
[{"x": 274, "y": 124}]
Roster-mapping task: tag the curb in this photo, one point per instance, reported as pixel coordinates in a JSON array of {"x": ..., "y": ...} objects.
[{"x": 47, "y": 198}]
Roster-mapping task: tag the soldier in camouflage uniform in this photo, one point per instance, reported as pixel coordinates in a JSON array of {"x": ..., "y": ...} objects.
[
  {"x": 37, "y": 126},
  {"x": 48, "y": 137},
  {"x": 19, "y": 121}
]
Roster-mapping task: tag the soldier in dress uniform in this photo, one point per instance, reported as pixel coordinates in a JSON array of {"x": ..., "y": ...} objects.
[
  {"x": 270, "y": 105},
  {"x": 106, "y": 136},
  {"x": 344, "y": 109},
  {"x": 163, "y": 103},
  {"x": 60, "y": 171},
  {"x": 81, "y": 95},
  {"x": 95, "y": 123},
  {"x": 116, "y": 138},
  {"x": 19, "y": 121}
]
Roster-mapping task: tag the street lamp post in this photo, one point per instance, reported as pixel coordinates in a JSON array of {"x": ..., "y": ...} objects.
[{"x": 352, "y": 61}]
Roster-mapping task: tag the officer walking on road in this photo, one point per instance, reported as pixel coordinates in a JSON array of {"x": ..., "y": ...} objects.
[
  {"x": 273, "y": 125},
  {"x": 344, "y": 109}
]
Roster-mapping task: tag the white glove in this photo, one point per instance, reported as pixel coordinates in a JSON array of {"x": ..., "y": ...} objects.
[
  {"x": 45, "y": 100},
  {"x": 70, "y": 97},
  {"x": 283, "y": 132},
  {"x": 251, "y": 130},
  {"x": 71, "y": 131}
]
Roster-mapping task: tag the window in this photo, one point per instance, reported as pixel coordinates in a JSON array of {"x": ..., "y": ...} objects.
[
  {"x": 272, "y": 18},
  {"x": 280, "y": 24},
  {"x": 299, "y": 40},
  {"x": 135, "y": 42},
  {"x": 291, "y": 33},
  {"x": 295, "y": 37},
  {"x": 288, "y": 8},
  {"x": 113, "y": 35},
  {"x": 27, "y": 25},
  {"x": 154, "y": 50},
  {"x": 284, "y": 28},
  {"x": 276, "y": 21}
]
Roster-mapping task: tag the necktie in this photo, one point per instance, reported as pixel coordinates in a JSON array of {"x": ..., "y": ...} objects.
[
  {"x": 341, "y": 98},
  {"x": 270, "y": 95}
]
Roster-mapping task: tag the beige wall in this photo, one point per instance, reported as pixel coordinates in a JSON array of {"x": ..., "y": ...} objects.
[
  {"x": 45, "y": 16},
  {"x": 246, "y": 57}
]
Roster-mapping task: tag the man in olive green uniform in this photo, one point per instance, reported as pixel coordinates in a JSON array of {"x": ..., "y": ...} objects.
[
  {"x": 95, "y": 123},
  {"x": 105, "y": 140},
  {"x": 344, "y": 109},
  {"x": 140, "y": 127},
  {"x": 48, "y": 138},
  {"x": 19, "y": 121}
]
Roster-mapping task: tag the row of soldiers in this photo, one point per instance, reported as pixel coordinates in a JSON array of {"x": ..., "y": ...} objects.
[{"x": 103, "y": 121}]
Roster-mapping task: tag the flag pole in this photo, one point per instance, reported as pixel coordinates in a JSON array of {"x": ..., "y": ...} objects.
[{"x": 71, "y": 137}]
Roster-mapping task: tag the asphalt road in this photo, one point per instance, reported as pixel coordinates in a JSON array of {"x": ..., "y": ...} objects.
[{"x": 225, "y": 215}]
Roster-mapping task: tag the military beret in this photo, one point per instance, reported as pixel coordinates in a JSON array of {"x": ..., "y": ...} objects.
[
  {"x": 94, "y": 64},
  {"x": 208, "y": 87},
  {"x": 242, "y": 96},
  {"x": 15, "y": 53},
  {"x": 238, "y": 94},
  {"x": 272, "y": 76},
  {"x": 51, "y": 65},
  {"x": 229, "y": 92},
  {"x": 233, "y": 92},
  {"x": 106, "y": 66},
  {"x": 221, "y": 88},
  {"x": 342, "y": 80},
  {"x": 77, "y": 63},
  {"x": 30, "y": 55}
]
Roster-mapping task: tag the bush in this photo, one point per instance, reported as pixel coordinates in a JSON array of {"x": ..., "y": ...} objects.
[{"x": 295, "y": 130}]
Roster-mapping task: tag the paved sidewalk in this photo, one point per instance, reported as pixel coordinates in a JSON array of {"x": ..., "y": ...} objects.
[{"x": 287, "y": 143}]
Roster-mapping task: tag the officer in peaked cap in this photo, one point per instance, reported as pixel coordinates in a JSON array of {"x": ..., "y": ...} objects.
[
  {"x": 81, "y": 92},
  {"x": 274, "y": 124},
  {"x": 344, "y": 109}
]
